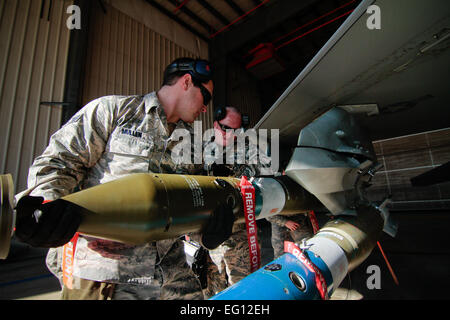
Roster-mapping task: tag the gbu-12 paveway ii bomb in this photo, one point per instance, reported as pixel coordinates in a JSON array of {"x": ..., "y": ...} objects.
[{"x": 144, "y": 207}]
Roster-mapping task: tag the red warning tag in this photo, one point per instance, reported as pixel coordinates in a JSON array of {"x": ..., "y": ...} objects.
[
  {"x": 248, "y": 196},
  {"x": 321, "y": 284}
]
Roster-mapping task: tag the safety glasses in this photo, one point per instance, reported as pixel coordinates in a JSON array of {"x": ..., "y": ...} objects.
[
  {"x": 205, "y": 93},
  {"x": 225, "y": 127}
]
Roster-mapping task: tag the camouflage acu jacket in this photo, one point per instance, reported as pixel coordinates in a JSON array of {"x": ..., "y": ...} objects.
[
  {"x": 110, "y": 137},
  {"x": 239, "y": 161}
]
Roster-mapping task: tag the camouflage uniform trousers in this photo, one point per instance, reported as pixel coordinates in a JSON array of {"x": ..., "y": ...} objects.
[
  {"x": 228, "y": 263},
  {"x": 93, "y": 290},
  {"x": 173, "y": 280},
  {"x": 281, "y": 233}
]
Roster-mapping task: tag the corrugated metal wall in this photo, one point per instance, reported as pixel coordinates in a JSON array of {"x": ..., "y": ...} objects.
[
  {"x": 125, "y": 57},
  {"x": 34, "y": 43},
  {"x": 409, "y": 156}
]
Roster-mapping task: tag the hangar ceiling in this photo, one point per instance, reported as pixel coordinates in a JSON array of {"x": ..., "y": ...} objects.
[
  {"x": 289, "y": 32},
  {"x": 275, "y": 39}
]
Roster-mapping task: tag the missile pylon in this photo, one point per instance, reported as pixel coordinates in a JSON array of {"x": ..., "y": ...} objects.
[
  {"x": 336, "y": 249},
  {"x": 144, "y": 207}
]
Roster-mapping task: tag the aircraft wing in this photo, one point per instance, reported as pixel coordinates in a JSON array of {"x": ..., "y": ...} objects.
[{"x": 402, "y": 68}]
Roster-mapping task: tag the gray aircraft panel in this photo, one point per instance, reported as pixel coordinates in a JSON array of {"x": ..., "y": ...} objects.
[{"x": 361, "y": 65}]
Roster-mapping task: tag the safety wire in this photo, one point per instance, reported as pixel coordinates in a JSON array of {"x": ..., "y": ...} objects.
[{"x": 388, "y": 264}]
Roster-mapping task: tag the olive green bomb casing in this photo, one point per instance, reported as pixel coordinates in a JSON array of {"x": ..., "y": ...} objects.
[{"x": 144, "y": 207}]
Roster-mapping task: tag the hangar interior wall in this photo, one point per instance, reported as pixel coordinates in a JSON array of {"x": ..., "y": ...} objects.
[
  {"x": 34, "y": 44},
  {"x": 422, "y": 217},
  {"x": 406, "y": 157},
  {"x": 126, "y": 56}
]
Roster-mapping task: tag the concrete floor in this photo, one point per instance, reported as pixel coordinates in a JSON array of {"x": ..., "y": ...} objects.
[
  {"x": 419, "y": 255},
  {"x": 23, "y": 275}
]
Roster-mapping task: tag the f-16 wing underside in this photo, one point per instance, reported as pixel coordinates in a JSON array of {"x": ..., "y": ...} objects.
[{"x": 402, "y": 64}]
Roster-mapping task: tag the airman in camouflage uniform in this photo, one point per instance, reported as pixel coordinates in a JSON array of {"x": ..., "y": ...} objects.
[
  {"x": 109, "y": 138},
  {"x": 289, "y": 228},
  {"x": 229, "y": 263}
]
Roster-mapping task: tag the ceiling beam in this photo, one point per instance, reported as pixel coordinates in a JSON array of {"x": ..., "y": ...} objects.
[
  {"x": 177, "y": 19},
  {"x": 235, "y": 7},
  {"x": 214, "y": 12},
  {"x": 194, "y": 17},
  {"x": 259, "y": 23}
]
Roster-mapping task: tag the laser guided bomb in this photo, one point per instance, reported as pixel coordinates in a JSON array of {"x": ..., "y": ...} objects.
[
  {"x": 335, "y": 75},
  {"x": 315, "y": 268},
  {"x": 335, "y": 162},
  {"x": 334, "y": 166},
  {"x": 144, "y": 207},
  {"x": 338, "y": 171}
]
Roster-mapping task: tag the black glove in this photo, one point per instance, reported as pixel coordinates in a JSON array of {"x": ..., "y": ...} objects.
[
  {"x": 219, "y": 227},
  {"x": 55, "y": 227}
]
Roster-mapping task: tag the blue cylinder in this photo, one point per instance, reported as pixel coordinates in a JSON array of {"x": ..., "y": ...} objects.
[{"x": 285, "y": 278}]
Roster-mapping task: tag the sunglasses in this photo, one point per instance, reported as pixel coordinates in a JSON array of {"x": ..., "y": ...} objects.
[
  {"x": 225, "y": 127},
  {"x": 205, "y": 93}
]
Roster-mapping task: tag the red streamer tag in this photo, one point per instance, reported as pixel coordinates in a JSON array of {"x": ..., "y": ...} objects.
[
  {"x": 68, "y": 257},
  {"x": 314, "y": 223},
  {"x": 67, "y": 263},
  {"x": 248, "y": 197},
  {"x": 321, "y": 284}
]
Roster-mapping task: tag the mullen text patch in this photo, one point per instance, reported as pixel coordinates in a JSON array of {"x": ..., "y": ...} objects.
[{"x": 130, "y": 132}]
